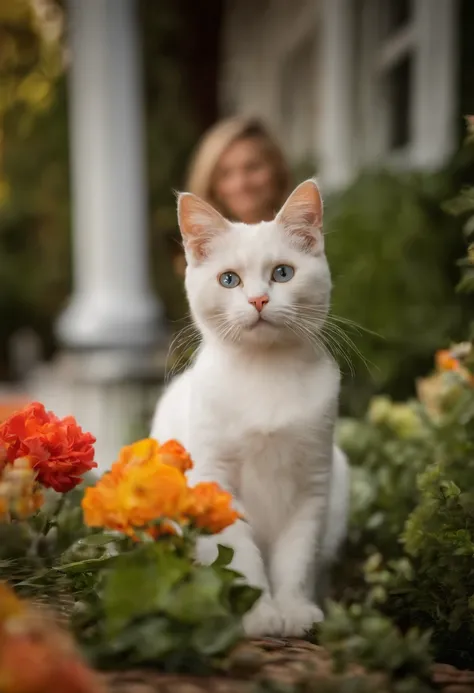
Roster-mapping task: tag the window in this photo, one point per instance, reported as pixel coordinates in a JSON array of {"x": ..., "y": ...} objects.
[
  {"x": 398, "y": 93},
  {"x": 397, "y": 14},
  {"x": 406, "y": 79}
]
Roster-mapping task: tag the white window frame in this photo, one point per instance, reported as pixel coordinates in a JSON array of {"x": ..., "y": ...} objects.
[
  {"x": 430, "y": 38},
  {"x": 354, "y": 127}
]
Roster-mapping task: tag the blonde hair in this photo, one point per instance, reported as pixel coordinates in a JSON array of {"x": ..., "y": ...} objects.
[{"x": 217, "y": 140}]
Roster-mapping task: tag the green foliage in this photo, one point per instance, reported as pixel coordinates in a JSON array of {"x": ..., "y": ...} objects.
[
  {"x": 387, "y": 449},
  {"x": 30, "y": 56},
  {"x": 34, "y": 207},
  {"x": 411, "y": 541},
  {"x": 152, "y": 604},
  {"x": 362, "y": 634},
  {"x": 31, "y": 549},
  {"x": 392, "y": 252},
  {"x": 439, "y": 534},
  {"x": 463, "y": 207}
]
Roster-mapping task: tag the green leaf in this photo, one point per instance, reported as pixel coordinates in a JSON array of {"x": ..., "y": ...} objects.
[
  {"x": 217, "y": 635},
  {"x": 101, "y": 539},
  {"x": 198, "y": 598},
  {"x": 146, "y": 641},
  {"x": 141, "y": 584},
  {"x": 224, "y": 556},
  {"x": 243, "y": 597},
  {"x": 88, "y": 565}
]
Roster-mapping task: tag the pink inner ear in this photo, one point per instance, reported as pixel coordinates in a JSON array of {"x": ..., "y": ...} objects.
[
  {"x": 302, "y": 217},
  {"x": 199, "y": 223},
  {"x": 303, "y": 224},
  {"x": 307, "y": 239},
  {"x": 197, "y": 241}
]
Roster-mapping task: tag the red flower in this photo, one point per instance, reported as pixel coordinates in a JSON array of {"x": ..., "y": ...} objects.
[{"x": 58, "y": 450}]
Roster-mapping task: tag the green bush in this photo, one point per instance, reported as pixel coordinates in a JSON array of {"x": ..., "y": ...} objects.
[
  {"x": 406, "y": 583},
  {"x": 393, "y": 252},
  {"x": 411, "y": 540},
  {"x": 151, "y": 604}
]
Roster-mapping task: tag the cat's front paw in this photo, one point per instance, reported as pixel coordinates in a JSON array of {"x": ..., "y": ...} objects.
[
  {"x": 264, "y": 619},
  {"x": 299, "y": 615}
]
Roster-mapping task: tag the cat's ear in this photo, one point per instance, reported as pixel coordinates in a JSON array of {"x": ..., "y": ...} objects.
[
  {"x": 302, "y": 217},
  {"x": 199, "y": 223}
]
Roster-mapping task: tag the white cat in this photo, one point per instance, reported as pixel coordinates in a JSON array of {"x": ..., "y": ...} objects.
[{"x": 257, "y": 407}]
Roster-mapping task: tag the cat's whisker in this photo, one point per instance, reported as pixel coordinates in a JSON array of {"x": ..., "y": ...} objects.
[
  {"x": 301, "y": 331},
  {"x": 332, "y": 317},
  {"x": 340, "y": 333},
  {"x": 334, "y": 338},
  {"x": 340, "y": 341},
  {"x": 334, "y": 331},
  {"x": 183, "y": 340},
  {"x": 335, "y": 348},
  {"x": 338, "y": 351},
  {"x": 339, "y": 337}
]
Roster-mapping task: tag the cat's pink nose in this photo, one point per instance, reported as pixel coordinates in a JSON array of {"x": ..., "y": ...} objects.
[{"x": 259, "y": 302}]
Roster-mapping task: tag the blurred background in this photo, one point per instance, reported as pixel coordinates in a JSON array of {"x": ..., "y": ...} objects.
[{"x": 102, "y": 104}]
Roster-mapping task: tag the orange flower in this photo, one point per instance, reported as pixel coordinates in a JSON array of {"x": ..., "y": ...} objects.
[
  {"x": 137, "y": 453},
  {"x": 138, "y": 496},
  {"x": 146, "y": 490},
  {"x": 11, "y": 406},
  {"x": 174, "y": 454},
  {"x": 36, "y": 656},
  {"x": 452, "y": 360},
  {"x": 171, "y": 453},
  {"x": 445, "y": 361},
  {"x": 211, "y": 508},
  {"x": 10, "y": 605},
  {"x": 58, "y": 450}
]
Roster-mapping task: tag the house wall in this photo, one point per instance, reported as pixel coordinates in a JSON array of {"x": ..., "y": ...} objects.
[
  {"x": 347, "y": 84},
  {"x": 270, "y": 67}
]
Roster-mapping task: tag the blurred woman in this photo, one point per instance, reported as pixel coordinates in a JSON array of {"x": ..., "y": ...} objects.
[{"x": 240, "y": 169}]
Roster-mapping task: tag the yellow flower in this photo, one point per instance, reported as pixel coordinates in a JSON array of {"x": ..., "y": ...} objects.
[
  {"x": 404, "y": 421},
  {"x": 401, "y": 418},
  {"x": 20, "y": 494},
  {"x": 171, "y": 453},
  {"x": 137, "y": 453},
  {"x": 146, "y": 490},
  {"x": 141, "y": 494},
  {"x": 379, "y": 410}
]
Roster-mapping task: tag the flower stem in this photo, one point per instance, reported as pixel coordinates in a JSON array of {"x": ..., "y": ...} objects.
[{"x": 52, "y": 520}]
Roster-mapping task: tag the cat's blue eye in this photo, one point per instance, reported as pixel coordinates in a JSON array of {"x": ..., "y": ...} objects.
[
  {"x": 229, "y": 280},
  {"x": 283, "y": 273}
]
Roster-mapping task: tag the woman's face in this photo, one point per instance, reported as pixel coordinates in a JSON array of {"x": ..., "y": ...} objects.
[{"x": 244, "y": 181}]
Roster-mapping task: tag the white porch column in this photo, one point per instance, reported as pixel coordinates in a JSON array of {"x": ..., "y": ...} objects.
[
  {"x": 436, "y": 116},
  {"x": 111, "y": 370},
  {"x": 112, "y": 305},
  {"x": 336, "y": 95}
]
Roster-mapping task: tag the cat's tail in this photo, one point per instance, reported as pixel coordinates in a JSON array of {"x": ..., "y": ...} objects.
[
  {"x": 336, "y": 522},
  {"x": 338, "y": 507}
]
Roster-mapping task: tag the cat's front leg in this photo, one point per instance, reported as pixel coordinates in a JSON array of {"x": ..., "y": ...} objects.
[
  {"x": 293, "y": 568},
  {"x": 264, "y": 618}
]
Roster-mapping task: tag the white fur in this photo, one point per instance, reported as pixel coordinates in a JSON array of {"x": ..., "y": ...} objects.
[{"x": 256, "y": 410}]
